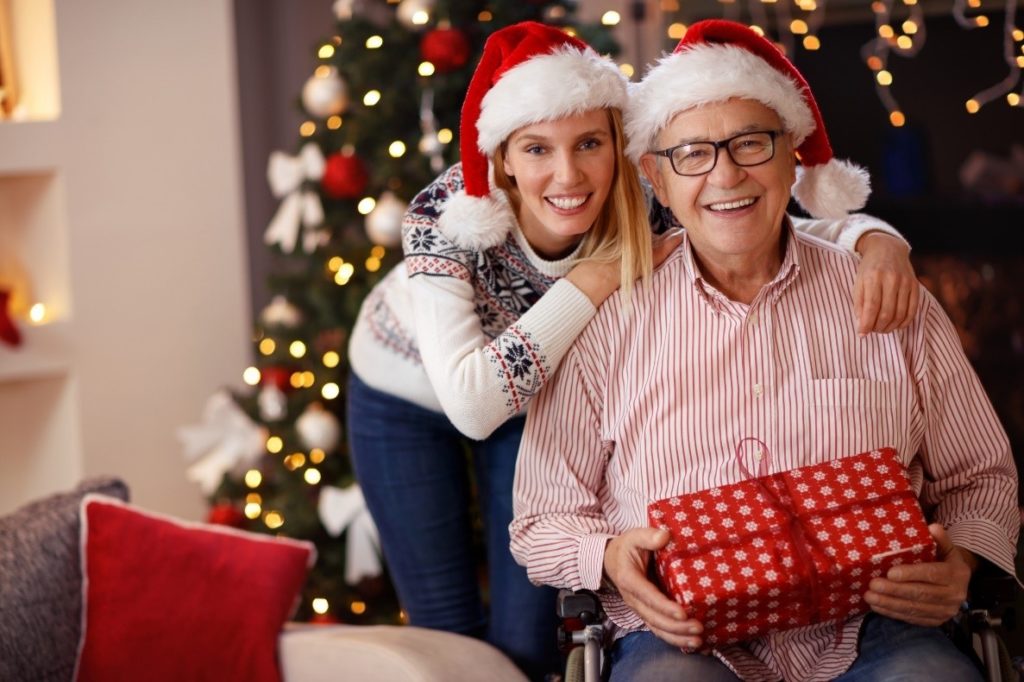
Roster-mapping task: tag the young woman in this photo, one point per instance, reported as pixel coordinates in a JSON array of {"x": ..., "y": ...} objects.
[{"x": 497, "y": 282}]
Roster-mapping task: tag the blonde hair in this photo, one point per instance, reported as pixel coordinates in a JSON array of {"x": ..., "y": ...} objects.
[{"x": 622, "y": 228}]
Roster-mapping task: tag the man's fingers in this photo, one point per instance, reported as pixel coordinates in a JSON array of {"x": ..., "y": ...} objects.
[
  {"x": 942, "y": 539},
  {"x": 677, "y": 640}
]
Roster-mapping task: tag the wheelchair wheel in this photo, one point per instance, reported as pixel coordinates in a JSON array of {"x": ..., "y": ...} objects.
[{"x": 574, "y": 666}]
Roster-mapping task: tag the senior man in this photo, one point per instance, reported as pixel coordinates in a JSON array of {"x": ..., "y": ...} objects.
[{"x": 746, "y": 331}]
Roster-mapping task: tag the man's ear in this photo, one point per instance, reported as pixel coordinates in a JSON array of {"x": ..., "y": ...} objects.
[{"x": 649, "y": 166}]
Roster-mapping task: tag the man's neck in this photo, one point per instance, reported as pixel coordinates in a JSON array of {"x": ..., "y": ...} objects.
[{"x": 741, "y": 278}]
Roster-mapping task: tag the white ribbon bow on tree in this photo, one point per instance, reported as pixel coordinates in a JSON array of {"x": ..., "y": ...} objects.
[
  {"x": 301, "y": 207},
  {"x": 346, "y": 509},
  {"x": 226, "y": 440}
]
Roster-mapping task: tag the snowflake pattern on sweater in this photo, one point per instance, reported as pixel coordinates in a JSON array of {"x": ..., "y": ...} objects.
[{"x": 505, "y": 286}]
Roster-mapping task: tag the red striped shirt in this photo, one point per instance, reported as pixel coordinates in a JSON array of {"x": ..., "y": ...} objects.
[{"x": 652, "y": 404}]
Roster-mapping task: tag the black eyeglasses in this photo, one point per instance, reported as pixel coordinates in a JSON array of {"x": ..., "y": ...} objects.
[{"x": 699, "y": 158}]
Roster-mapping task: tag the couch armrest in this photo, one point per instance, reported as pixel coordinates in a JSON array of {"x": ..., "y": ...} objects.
[{"x": 384, "y": 653}]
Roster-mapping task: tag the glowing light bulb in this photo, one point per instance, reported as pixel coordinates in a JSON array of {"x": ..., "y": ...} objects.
[
  {"x": 322, "y": 71},
  {"x": 972, "y": 106},
  {"x": 316, "y": 455},
  {"x": 251, "y": 376},
  {"x": 798, "y": 27},
  {"x": 374, "y": 42},
  {"x": 1018, "y": 34},
  {"x": 811, "y": 43},
  {"x": 37, "y": 313},
  {"x": 377, "y": 251},
  {"x": 981, "y": 20},
  {"x": 425, "y": 69},
  {"x": 307, "y": 129},
  {"x": 275, "y": 445},
  {"x": 325, "y": 51},
  {"x": 420, "y": 17},
  {"x": 484, "y": 16},
  {"x": 320, "y": 605},
  {"x": 885, "y": 30},
  {"x": 297, "y": 349},
  {"x": 267, "y": 346},
  {"x": 273, "y": 520},
  {"x": 874, "y": 63},
  {"x": 444, "y": 135},
  {"x": 335, "y": 263},
  {"x": 334, "y": 122},
  {"x": 295, "y": 379},
  {"x": 676, "y": 31},
  {"x": 366, "y": 205},
  {"x": 904, "y": 42},
  {"x": 611, "y": 18},
  {"x": 253, "y": 478},
  {"x": 331, "y": 359},
  {"x": 396, "y": 149},
  {"x": 897, "y": 119},
  {"x": 1013, "y": 99},
  {"x": 910, "y": 27},
  {"x": 627, "y": 70},
  {"x": 371, "y": 98},
  {"x": 330, "y": 391},
  {"x": 253, "y": 510},
  {"x": 312, "y": 476},
  {"x": 372, "y": 264},
  {"x": 358, "y": 607},
  {"x": 883, "y": 77}
]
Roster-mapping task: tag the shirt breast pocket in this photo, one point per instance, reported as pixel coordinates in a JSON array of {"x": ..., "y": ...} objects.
[{"x": 849, "y": 416}]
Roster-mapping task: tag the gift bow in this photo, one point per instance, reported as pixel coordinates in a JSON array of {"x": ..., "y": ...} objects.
[
  {"x": 300, "y": 207},
  {"x": 225, "y": 440},
  {"x": 340, "y": 509}
]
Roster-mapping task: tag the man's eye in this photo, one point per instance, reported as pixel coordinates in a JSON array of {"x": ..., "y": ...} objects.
[{"x": 534, "y": 149}]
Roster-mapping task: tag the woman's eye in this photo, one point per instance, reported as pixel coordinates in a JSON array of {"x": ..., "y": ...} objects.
[{"x": 592, "y": 143}]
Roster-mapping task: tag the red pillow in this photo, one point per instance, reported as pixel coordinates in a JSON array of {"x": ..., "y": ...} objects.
[{"x": 163, "y": 599}]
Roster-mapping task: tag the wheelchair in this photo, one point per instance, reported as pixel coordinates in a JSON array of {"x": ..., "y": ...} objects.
[{"x": 988, "y": 611}]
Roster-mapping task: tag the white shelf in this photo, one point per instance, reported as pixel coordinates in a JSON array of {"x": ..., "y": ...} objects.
[{"x": 44, "y": 353}]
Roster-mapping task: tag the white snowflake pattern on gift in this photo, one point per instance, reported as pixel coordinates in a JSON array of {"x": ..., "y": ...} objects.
[
  {"x": 739, "y": 493},
  {"x": 729, "y": 585},
  {"x": 745, "y": 510},
  {"x": 704, "y": 519},
  {"x": 846, "y": 538},
  {"x": 887, "y": 528},
  {"x": 704, "y": 581},
  {"x": 723, "y": 567},
  {"x": 697, "y": 504},
  {"x": 680, "y": 516},
  {"x": 721, "y": 507},
  {"x": 764, "y": 558},
  {"x": 699, "y": 564}
]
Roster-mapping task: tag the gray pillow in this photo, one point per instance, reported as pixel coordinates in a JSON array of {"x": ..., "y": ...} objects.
[{"x": 41, "y": 584}]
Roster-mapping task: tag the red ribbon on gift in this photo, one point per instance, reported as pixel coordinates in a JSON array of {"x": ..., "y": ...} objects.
[{"x": 800, "y": 536}]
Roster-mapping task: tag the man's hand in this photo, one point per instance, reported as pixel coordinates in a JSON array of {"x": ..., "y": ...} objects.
[
  {"x": 925, "y": 594},
  {"x": 886, "y": 293},
  {"x": 626, "y": 558}
]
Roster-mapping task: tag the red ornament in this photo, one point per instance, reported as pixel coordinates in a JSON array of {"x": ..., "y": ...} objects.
[
  {"x": 225, "y": 514},
  {"x": 344, "y": 177},
  {"x": 446, "y": 48},
  {"x": 8, "y": 332},
  {"x": 277, "y": 376}
]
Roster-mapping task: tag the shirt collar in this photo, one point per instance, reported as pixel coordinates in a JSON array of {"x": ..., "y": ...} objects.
[{"x": 788, "y": 270}]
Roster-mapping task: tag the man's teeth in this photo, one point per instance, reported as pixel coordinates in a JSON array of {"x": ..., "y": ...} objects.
[
  {"x": 726, "y": 205},
  {"x": 567, "y": 203}
]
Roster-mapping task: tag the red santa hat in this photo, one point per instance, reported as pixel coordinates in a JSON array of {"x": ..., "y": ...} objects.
[
  {"x": 528, "y": 73},
  {"x": 718, "y": 60}
]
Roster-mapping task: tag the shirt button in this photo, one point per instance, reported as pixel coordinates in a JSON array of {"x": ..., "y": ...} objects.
[{"x": 758, "y": 390}]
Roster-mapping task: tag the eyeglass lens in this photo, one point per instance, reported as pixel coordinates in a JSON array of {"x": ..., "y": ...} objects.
[{"x": 749, "y": 149}]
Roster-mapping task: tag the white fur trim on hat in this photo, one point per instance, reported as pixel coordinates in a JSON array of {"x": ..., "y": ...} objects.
[
  {"x": 704, "y": 74},
  {"x": 546, "y": 87},
  {"x": 476, "y": 223},
  {"x": 833, "y": 189}
]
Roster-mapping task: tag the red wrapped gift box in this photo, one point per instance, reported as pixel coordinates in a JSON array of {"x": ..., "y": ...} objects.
[{"x": 789, "y": 549}]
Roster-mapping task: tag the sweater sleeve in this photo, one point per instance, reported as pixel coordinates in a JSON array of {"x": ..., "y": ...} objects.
[
  {"x": 846, "y": 231},
  {"x": 480, "y": 382}
]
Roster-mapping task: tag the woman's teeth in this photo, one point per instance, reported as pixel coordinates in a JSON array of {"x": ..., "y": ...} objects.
[
  {"x": 727, "y": 205},
  {"x": 567, "y": 203}
]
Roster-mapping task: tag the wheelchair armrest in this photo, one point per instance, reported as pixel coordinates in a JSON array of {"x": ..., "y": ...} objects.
[{"x": 582, "y": 605}]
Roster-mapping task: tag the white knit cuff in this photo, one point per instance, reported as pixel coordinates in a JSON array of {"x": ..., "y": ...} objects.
[{"x": 856, "y": 225}]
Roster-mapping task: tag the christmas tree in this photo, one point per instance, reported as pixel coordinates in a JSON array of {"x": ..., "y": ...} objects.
[{"x": 382, "y": 107}]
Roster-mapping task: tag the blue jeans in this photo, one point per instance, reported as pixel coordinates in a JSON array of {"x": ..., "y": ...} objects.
[
  {"x": 412, "y": 466},
  {"x": 889, "y": 650}
]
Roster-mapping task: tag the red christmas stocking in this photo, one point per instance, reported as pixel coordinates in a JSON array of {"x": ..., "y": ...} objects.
[{"x": 8, "y": 332}]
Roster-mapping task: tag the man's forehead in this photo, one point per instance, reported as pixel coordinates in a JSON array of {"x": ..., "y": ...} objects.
[{"x": 720, "y": 119}]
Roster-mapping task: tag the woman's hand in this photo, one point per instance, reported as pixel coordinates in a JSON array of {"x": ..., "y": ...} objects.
[
  {"x": 600, "y": 280},
  {"x": 886, "y": 292}
]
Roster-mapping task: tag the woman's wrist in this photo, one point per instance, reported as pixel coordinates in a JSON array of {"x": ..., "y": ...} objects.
[{"x": 596, "y": 280}]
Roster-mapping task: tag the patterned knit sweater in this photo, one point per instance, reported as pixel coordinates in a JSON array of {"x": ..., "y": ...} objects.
[{"x": 475, "y": 334}]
